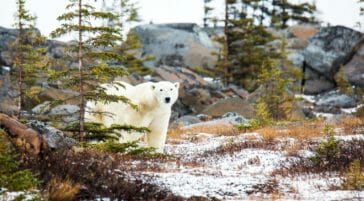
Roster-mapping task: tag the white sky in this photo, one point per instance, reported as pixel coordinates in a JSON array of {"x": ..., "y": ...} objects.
[{"x": 336, "y": 12}]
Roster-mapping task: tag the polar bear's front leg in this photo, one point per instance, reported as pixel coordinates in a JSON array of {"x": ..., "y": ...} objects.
[{"x": 158, "y": 132}]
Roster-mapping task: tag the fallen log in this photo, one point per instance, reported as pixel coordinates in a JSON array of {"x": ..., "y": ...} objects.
[{"x": 27, "y": 139}]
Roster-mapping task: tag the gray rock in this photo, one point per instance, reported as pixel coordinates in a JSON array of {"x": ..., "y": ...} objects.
[
  {"x": 187, "y": 120},
  {"x": 42, "y": 108},
  {"x": 316, "y": 83},
  {"x": 354, "y": 70},
  {"x": 330, "y": 48},
  {"x": 183, "y": 44},
  {"x": 327, "y": 50},
  {"x": 337, "y": 100},
  {"x": 69, "y": 113},
  {"x": 4, "y": 82},
  {"x": 54, "y": 137},
  {"x": 55, "y": 49},
  {"x": 296, "y": 58},
  {"x": 234, "y": 118}
]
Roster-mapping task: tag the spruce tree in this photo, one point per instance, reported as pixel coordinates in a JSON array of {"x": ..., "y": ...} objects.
[
  {"x": 243, "y": 48},
  {"x": 207, "y": 11},
  {"x": 276, "y": 77},
  {"x": 94, "y": 51},
  {"x": 29, "y": 61},
  {"x": 284, "y": 11}
]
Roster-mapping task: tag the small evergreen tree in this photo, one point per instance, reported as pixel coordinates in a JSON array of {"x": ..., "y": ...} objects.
[
  {"x": 94, "y": 51},
  {"x": 284, "y": 11},
  {"x": 28, "y": 61}
]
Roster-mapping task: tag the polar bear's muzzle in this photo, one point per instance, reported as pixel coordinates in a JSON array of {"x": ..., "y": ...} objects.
[{"x": 167, "y": 99}]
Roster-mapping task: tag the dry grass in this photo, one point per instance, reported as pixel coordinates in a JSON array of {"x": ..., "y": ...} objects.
[
  {"x": 292, "y": 149},
  {"x": 217, "y": 129},
  {"x": 60, "y": 190},
  {"x": 351, "y": 125},
  {"x": 269, "y": 133},
  {"x": 305, "y": 130},
  {"x": 299, "y": 131}
]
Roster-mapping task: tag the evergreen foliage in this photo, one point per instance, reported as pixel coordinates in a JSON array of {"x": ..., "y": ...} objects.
[
  {"x": 29, "y": 60},
  {"x": 354, "y": 177},
  {"x": 276, "y": 79},
  {"x": 284, "y": 11},
  {"x": 242, "y": 46},
  {"x": 207, "y": 13},
  {"x": 11, "y": 176},
  {"x": 95, "y": 55},
  {"x": 328, "y": 151},
  {"x": 129, "y": 148}
]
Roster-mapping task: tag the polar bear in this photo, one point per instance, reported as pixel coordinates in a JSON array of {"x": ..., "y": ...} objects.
[{"x": 154, "y": 101}]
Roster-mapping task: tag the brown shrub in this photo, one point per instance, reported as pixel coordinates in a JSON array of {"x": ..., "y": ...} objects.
[
  {"x": 348, "y": 152},
  {"x": 103, "y": 174},
  {"x": 60, "y": 190}
]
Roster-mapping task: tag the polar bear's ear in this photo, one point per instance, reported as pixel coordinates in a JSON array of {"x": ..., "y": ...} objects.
[
  {"x": 153, "y": 86},
  {"x": 176, "y": 85}
]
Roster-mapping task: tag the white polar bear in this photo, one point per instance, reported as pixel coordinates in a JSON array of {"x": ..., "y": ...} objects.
[{"x": 154, "y": 101}]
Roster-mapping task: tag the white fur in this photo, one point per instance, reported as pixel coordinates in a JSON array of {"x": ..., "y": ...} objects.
[{"x": 153, "y": 111}]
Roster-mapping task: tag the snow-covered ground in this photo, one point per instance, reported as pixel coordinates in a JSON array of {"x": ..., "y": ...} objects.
[{"x": 244, "y": 174}]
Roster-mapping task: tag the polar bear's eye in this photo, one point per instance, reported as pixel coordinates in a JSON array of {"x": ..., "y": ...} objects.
[
  {"x": 161, "y": 90},
  {"x": 171, "y": 89}
]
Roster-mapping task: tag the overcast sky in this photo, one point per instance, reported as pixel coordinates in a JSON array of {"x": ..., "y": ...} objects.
[{"x": 335, "y": 12}]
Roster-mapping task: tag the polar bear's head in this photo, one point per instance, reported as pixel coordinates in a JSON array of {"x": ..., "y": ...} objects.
[{"x": 166, "y": 93}]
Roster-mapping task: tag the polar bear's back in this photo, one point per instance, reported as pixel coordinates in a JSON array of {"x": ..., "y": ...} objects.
[
  {"x": 118, "y": 88},
  {"x": 118, "y": 111}
]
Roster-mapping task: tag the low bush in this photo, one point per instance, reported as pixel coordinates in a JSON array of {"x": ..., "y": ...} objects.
[
  {"x": 354, "y": 177},
  {"x": 60, "y": 190}
]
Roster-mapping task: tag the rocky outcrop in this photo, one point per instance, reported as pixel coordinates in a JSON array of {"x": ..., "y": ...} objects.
[
  {"x": 335, "y": 99},
  {"x": 327, "y": 50},
  {"x": 55, "y": 49},
  {"x": 54, "y": 138},
  {"x": 354, "y": 70},
  {"x": 183, "y": 45}
]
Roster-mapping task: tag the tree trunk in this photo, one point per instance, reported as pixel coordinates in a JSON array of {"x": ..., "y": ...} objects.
[
  {"x": 80, "y": 70},
  {"x": 226, "y": 32},
  {"x": 20, "y": 61}
]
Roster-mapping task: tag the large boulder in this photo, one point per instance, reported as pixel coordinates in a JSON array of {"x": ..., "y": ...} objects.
[
  {"x": 327, "y": 50},
  {"x": 354, "y": 70},
  {"x": 183, "y": 44}
]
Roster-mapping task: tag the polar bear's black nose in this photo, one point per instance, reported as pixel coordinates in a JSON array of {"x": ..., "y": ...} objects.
[{"x": 168, "y": 99}]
